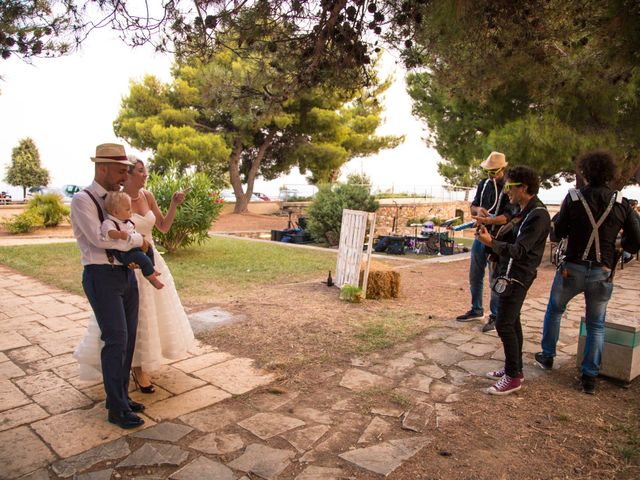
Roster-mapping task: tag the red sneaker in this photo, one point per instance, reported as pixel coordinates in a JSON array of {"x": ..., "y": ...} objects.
[
  {"x": 505, "y": 386},
  {"x": 498, "y": 374}
]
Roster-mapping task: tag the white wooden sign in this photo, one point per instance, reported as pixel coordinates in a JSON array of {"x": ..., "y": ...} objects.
[{"x": 352, "y": 233}]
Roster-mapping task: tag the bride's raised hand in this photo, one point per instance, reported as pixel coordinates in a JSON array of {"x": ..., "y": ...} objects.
[{"x": 178, "y": 198}]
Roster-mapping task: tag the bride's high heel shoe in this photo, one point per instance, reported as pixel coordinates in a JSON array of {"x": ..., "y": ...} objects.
[{"x": 143, "y": 388}]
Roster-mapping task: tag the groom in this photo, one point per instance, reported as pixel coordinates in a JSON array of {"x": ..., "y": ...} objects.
[{"x": 110, "y": 287}]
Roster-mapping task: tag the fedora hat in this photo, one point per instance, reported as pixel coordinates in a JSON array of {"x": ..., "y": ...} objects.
[
  {"x": 111, "y": 153},
  {"x": 494, "y": 160}
]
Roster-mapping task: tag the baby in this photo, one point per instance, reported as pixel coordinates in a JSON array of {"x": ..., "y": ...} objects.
[{"x": 118, "y": 226}]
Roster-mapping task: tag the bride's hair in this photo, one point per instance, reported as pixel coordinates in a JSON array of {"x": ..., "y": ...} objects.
[{"x": 133, "y": 160}]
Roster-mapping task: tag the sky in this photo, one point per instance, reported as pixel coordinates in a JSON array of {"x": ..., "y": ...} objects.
[{"x": 67, "y": 106}]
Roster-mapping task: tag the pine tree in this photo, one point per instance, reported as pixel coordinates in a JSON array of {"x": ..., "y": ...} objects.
[{"x": 25, "y": 170}]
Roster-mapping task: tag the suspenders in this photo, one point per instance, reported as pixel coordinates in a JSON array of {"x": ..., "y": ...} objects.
[
  {"x": 101, "y": 217},
  {"x": 576, "y": 194}
]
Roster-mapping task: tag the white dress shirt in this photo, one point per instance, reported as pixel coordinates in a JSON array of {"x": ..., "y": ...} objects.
[{"x": 86, "y": 228}]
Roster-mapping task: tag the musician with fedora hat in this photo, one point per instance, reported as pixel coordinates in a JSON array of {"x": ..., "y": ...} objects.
[
  {"x": 110, "y": 287},
  {"x": 490, "y": 207}
]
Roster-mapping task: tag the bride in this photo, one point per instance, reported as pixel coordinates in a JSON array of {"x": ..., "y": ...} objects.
[{"x": 164, "y": 332}]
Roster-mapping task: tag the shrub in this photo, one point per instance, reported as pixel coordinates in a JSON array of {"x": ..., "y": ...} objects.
[
  {"x": 25, "y": 222},
  {"x": 351, "y": 293},
  {"x": 46, "y": 210},
  {"x": 50, "y": 207},
  {"x": 196, "y": 214},
  {"x": 325, "y": 212}
]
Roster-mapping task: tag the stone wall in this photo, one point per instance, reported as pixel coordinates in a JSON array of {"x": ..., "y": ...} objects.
[{"x": 442, "y": 210}]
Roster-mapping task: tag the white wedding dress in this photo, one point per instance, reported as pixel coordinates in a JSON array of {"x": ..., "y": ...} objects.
[{"x": 164, "y": 332}]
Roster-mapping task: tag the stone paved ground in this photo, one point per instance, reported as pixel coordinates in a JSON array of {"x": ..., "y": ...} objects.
[{"x": 209, "y": 417}]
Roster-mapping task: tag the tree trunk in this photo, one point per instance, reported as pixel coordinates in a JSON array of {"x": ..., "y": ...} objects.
[
  {"x": 244, "y": 197},
  {"x": 24, "y": 192}
]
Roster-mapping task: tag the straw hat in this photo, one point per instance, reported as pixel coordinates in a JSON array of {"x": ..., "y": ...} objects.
[
  {"x": 494, "y": 160},
  {"x": 111, "y": 153}
]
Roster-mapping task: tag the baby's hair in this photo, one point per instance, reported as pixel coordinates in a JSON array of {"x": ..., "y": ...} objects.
[{"x": 113, "y": 200}]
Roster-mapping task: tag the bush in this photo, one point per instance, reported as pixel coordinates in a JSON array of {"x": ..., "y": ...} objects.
[
  {"x": 196, "y": 214},
  {"x": 25, "y": 222},
  {"x": 325, "y": 212},
  {"x": 50, "y": 207},
  {"x": 45, "y": 210},
  {"x": 351, "y": 293}
]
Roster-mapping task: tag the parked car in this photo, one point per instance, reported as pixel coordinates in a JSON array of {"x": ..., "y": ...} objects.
[
  {"x": 262, "y": 196},
  {"x": 228, "y": 196},
  {"x": 5, "y": 198},
  {"x": 289, "y": 193},
  {"x": 66, "y": 192}
]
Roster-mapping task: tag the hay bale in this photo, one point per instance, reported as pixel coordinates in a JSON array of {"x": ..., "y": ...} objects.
[{"x": 383, "y": 282}]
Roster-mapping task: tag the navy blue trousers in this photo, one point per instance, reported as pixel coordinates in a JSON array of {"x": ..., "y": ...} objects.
[{"x": 113, "y": 295}]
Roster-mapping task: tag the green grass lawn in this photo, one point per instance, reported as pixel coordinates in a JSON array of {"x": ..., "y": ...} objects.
[{"x": 219, "y": 263}]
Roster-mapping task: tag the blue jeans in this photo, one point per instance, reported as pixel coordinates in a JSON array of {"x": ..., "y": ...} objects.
[
  {"x": 592, "y": 281},
  {"x": 476, "y": 279}
]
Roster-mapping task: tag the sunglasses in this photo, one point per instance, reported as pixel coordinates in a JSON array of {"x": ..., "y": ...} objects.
[
  {"x": 494, "y": 172},
  {"x": 509, "y": 185}
]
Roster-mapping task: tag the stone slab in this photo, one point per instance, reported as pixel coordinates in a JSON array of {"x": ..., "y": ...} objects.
[
  {"x": 433, "y": 371},
  {"x": 417, "y": 417},
  {"x": 11, "y": 340},
  {"x": 155, "y": 454},
  {"x": 21, "y": 416},
  {"x": 445, "y": 414},
  {"x": 267, "y": 425},
  {"x": 459, "y": 338},
  {"x": 443, "y": 354},
  {"x": 203, "y": 468},
  {"x": 216, "y": 417},
  {"x": 42, "y": 474},
  {"x": 175, "y": 381},
  {"x": 418, "y": 382},
  {"x": 395, "y": 367},
  {"x": 480, "y": 367},
  {"x": 359, "y": 380},
  {"x": 167, "y": 431},
  {"x": 74, "y": 432},
  {"x": 375, "y": 432},
  {"x": 11, "y": 396},
  {"x": 202, "y": 361},
  {"x": 313, "y": 472},
  {"x": 61, "y": 400},
  {"x": 387, "y": 456},
  {"x": 476, "y": 349},
  {"x": 312, "y": 415},
  {"x": 441, "y": 390},
  {"x": 52, "y": 362},
  {"x": 263, "y": 461},
  {"x": 387, "y": 412},
  {"x": 303, "y": 439},
  {"x": 235, "y": 376},
  {"x": 40, "y": 382},
  {"x": 99, "y": 475},
  {"x": 458, "y": 377},
  {"x": 218, "y": 443},
  {"x": 10, "y": 370},
  {"x": 186, "y": 403},
  {"x": 27, "y": 452},
  {"x": 58, "y": 324},
  {"x": 271, "y": 401},
  {"x": 78, "y": 463}
]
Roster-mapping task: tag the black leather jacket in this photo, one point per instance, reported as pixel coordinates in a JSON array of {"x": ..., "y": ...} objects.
[
  {"x": 573, "y": 223},
  {"x": 525, "y": 243}
]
